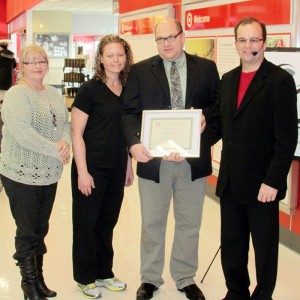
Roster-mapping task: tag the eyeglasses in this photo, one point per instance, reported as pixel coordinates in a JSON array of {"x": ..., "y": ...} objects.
[
  {"x": 253, "y": 40},
  {"x": 33, "y": 62},
  {"x": 171, "y": 38}
]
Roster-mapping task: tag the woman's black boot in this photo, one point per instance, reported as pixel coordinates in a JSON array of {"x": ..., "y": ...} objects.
[
  {"x": 29, "y": 282},
  {"x": 40, "y": 278}
]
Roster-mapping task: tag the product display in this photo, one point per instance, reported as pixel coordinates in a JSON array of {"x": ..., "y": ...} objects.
[{"x": 74, "y": 76}]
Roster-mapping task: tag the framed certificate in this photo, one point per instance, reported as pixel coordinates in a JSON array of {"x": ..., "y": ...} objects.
[{"x": 166, "y": 131}]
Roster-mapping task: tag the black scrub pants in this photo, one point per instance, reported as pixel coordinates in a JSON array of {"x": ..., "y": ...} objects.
[{"x": 94, "y": 218}]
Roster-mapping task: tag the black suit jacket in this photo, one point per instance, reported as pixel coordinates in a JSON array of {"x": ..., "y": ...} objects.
[
  {"x": 148, "y": 89},
  {"x": 259, "y": 139}
]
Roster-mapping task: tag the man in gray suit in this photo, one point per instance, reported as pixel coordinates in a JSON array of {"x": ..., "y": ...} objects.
[{"x": 149, "y": 87}]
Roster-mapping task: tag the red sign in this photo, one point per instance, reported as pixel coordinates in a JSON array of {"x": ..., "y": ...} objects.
[
  {"x": 129, "y": 6},
  {"x": 138, "y": 26},
  {"x": 268, "y": 11},
  {"x": 128, "y": 27}
]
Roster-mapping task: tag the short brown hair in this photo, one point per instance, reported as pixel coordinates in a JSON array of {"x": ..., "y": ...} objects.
[{"x": 250, "y": 20}]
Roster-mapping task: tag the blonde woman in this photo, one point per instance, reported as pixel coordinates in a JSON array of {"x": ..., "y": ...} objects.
[{"x": 35, "y": 146}]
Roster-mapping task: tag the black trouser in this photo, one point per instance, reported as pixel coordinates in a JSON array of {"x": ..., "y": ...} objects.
[
  {"x": 31, "y": 208},
  {"x": 261, "y": 220},
  {"x": 94, "y": 218}
]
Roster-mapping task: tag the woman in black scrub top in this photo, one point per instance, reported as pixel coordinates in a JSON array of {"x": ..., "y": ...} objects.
[{"x": 101, "y": 167}]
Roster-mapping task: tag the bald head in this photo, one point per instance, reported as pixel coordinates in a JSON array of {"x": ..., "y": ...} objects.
[
  {"x": 169, "y": 21},
  {"x": 170, "y": 39}
]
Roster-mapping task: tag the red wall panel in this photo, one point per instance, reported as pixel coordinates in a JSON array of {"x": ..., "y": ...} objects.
[
  {"x": 16, "y": 7},
  {"x": 128, "y": 6},
  {"x": 227, "y": 15},
  {"x": 3, "y": 24},
  {"x": 296, "y": 217}
]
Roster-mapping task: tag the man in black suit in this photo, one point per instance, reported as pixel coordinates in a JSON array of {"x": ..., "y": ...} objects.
[
  {"x": 148, "y": 88},
  {"x": 256, "y": 117}
]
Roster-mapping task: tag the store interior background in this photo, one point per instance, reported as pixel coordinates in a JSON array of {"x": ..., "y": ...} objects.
[{"x": 85, "y": 22}]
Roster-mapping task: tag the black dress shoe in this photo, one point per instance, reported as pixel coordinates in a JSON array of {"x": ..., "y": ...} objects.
[
  {"x": 145, "y": 291},
  {"x": 192, "y": 292}
]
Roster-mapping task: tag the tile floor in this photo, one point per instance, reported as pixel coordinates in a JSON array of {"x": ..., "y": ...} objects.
[{"x": 58, "y": 266}]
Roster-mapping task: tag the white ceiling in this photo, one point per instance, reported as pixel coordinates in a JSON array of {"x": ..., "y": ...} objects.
[{"x": 84, "y": 6}]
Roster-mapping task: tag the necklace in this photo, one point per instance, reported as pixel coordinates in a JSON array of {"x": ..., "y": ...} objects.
[
  {"x": 54, "y": 120},
  {"x": 42, "y": 88}
]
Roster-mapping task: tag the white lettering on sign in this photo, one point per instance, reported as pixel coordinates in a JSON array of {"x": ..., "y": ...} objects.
[
  {"x": 201, "y": 19},
  {"x": 126, "y": 28}
]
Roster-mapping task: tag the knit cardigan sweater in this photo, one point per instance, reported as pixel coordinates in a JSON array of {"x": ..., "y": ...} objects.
[{"x": 33, "y": 123}]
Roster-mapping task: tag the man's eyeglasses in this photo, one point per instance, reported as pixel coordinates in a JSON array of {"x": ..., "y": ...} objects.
[
  {"x": 34, "y": 62},
  {"x": 253, "y": 40},
  {"x": 171, "y": 38}
]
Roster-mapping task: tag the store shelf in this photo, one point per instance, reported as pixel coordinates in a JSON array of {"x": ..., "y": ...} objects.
[{"x": 74, "y": 76}]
